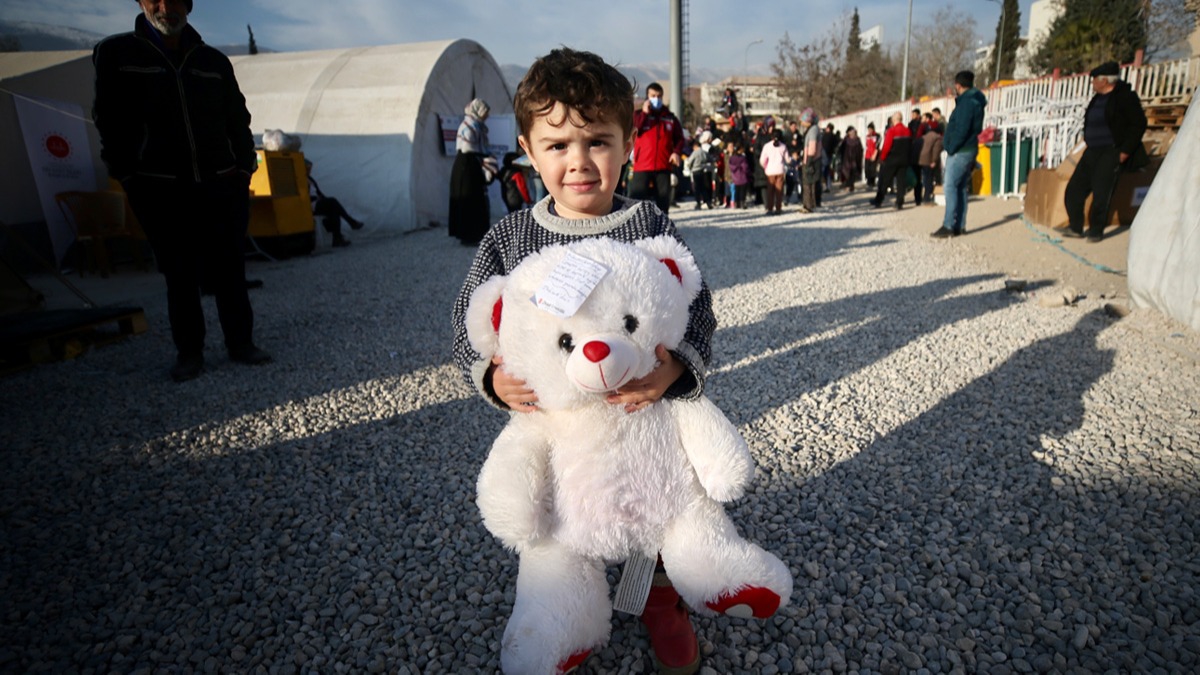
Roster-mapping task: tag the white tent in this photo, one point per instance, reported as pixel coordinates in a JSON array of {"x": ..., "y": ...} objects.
[
  {"x": 1164, "y": 242},
  {"x": 369, "y": 119}
]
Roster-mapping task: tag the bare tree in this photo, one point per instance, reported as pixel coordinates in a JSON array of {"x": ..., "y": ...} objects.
[
  {"x": 940, "y": 49},
  {"x": 1168, "y": 25},
  {"x": 829, "y": 76}
]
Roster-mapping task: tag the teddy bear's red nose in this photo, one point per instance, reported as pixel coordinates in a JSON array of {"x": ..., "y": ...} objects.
[{"x": 596, "y": 351}]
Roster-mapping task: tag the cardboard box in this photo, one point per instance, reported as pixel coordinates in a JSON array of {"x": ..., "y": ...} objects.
[
  {"x": 1047, "y": 187},
  {"x": 1044, "y": 198}
]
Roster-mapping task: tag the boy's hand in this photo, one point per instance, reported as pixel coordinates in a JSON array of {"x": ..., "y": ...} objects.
[
  {"x": 640, "y": 393},
  {"x": 515, "y": 394}
]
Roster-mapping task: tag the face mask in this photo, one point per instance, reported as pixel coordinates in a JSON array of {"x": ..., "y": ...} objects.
[{"x": 655, "y": 102}]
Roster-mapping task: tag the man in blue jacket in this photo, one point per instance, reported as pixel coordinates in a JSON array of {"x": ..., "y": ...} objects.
[
  {"x": 961, "y": 142},
  {"x": 175, "y": 131}
]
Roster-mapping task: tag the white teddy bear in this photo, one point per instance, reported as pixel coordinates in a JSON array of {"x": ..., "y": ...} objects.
[{"x": 581, "y": 482}]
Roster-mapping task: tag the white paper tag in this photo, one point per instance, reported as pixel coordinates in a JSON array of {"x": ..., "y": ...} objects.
[
  {"x": 634, "y": 586},
  {"x": 569, "y": 285}
]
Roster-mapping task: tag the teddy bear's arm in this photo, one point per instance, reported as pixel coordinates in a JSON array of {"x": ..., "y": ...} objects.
[
  {"x": 715, "y": 448},
  {"x": 513, "y": 491}
]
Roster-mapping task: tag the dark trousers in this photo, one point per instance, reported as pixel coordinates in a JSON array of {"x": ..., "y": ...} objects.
[
  {"x": 871, "y": 169},
  {"x": 198, "y": 231},
  {"x": 928, "y": 177},
  {"x": 892, "y": 172},
  {"x": 1095, "y": 174},
  {"x": 652, "y": 185},
  {"x": 702, "y": 187},
  {"x": 918, "y": 193},
  {"x": 332, "y": 214}
]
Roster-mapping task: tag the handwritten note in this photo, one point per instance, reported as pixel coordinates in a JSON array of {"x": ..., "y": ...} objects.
[{"x": 569, "y": 285}]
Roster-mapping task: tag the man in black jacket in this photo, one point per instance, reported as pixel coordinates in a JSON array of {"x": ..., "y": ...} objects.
[
  {"x": 175, "y": 131},
  {"x": 1112, "y": 129}
]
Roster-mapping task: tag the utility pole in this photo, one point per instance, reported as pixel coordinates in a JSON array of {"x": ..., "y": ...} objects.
[
  {"x": 677, "y": 58},
  {"x": 907, "y": 39}
]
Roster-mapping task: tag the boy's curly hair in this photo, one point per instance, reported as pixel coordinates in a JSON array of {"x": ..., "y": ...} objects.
[{"x": 579, "y": 80}]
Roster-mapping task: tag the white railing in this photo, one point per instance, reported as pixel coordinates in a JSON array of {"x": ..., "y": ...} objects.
[{"x": 1047, "y": 113}]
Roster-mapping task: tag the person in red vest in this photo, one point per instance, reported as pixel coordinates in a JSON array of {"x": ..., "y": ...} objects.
[{"x": 656, "y": 149}]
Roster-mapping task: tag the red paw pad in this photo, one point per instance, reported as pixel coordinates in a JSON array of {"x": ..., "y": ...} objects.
[
  {"x": 573, "y": 661},
  {"x": 751, "y": 601}
]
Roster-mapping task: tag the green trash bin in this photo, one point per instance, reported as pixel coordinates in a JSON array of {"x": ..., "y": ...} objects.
[{"x": 1025, "y": 162}]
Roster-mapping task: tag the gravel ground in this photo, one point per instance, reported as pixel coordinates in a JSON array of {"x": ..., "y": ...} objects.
[{"x": 962, "y": 479}]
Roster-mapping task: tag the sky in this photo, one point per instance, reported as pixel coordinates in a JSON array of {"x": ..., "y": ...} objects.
[{"x": 631, "y": 32}]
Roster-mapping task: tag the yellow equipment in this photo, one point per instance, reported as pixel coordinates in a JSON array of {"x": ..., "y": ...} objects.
[{"x": 280, "y": 210}]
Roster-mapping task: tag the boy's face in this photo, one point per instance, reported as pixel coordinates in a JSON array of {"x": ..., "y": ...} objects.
[{"x": 579, "y": 163}]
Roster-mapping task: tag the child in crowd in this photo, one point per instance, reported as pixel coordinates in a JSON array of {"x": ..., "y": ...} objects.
[
  {"x": 740, "y": 174},
  {"x": 513, "y": 186},
  {"x": 575, "y": 120}
]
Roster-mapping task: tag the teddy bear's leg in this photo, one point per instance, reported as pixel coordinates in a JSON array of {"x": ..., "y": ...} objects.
[
  {"x": 561, "y": 612},
  {"x": 714, "y": 568},
  {"x": 672, "y": 637}
]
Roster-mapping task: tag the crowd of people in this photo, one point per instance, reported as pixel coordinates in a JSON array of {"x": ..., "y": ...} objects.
[
  {"x": 768, "y": 164},
  {"x": 765, "y": 164}
]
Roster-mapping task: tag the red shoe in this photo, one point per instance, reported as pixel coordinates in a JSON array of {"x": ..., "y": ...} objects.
[
  {"x": 676, "y": 649},
  {"x": 752, "y": 601},
  {"x": 573, "y": 661}
]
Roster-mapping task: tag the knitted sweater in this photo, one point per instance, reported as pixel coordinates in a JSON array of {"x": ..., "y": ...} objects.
[{"x": 524, "y": 232}]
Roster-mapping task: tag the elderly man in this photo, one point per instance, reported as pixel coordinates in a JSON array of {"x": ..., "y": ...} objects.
[
  {"x": 895, "y": 153},
  {"x": 174, "y": 130},
  {"x": 1113, "y": 126}
]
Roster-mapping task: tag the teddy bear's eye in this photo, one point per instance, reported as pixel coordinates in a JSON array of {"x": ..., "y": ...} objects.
[
  {"x": 631, "y": 323},
  {"x": 566, "y": 342}
]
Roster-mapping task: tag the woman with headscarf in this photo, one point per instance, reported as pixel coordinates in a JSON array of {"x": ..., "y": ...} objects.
[
  {"x": 851, "y": 153},
  {"x": 470, "y": 213}
]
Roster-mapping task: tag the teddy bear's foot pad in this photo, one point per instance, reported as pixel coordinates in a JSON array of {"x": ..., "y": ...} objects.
[
  {"x": 752, "y": 601},
  {"x": 572, "y": 662}
]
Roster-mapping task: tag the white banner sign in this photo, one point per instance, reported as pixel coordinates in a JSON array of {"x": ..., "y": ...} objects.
[
  {"x": 502, "y": 134},
  {"x": 60, "y": 157}
]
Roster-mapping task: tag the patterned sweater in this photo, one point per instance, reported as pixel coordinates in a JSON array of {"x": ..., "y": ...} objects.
[{"x": 527, "y": 231}]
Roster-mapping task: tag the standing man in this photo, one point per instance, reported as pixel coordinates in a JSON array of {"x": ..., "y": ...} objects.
[
  {"x": 810, "y": 161},
  {"x": 939, "y": 122},
  {"x": 656, "y": 149},
  {"x": 174, "y": 130},
  {"x": 1112, "y": 129},
  {"x": 871, "y": 143},
  {"x": 829, "y": 143},
  {"x": 916, "y": 128},
  {"x": 895, "y": 153},
  {"x": 961, "y": 143}
]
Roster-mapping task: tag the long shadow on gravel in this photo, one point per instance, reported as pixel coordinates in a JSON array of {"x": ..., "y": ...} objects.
[
  {"x": 868, "y": 328},
  {"x": 348, "y": 547},
  {"x": 975, "y": 536},
  {"x": 729, "y": 257}
]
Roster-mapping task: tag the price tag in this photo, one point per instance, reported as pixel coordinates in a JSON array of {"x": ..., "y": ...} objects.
[
  {"x": 634, "y": 586},
  {"x": 569, "y": 285}
]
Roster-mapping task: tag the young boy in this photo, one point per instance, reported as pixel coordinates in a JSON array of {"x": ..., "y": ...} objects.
[{"x": 575, "y": 118}]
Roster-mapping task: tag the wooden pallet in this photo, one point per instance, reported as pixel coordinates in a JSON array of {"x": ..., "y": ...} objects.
[
  {"x": 1165, "y": 116},
  {"x": 31, "y": 338}
]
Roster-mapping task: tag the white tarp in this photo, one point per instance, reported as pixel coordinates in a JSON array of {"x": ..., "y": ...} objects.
[
  {"x": 1164, "y": 242},
  {"x": 369, "y": 120}
]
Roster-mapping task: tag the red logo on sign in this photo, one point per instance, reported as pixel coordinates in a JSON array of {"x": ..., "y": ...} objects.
[{"x": 58, "y": 146}]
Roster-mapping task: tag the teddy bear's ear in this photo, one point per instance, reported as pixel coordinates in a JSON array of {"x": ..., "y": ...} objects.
[
  {"x": 672, "y": 253},
  {"x": 483, "y": 316}
]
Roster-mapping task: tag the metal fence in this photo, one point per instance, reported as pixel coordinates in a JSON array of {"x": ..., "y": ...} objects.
[{"x": 1044, "y": 117}]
